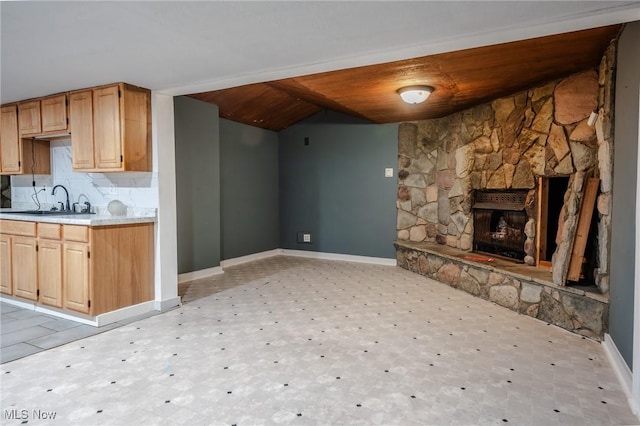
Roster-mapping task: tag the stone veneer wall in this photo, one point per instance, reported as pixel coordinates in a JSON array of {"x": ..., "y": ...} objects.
[{"x": 507, "y": 144}]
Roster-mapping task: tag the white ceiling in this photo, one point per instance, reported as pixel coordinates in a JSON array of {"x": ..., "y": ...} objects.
[{"x": 188, "y": 47}]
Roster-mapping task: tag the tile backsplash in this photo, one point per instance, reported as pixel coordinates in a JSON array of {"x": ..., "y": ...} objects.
[{"x": 137, "y": 190}]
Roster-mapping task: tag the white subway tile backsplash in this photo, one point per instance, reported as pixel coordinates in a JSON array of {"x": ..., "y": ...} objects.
[{"x": 138, "y": 190}]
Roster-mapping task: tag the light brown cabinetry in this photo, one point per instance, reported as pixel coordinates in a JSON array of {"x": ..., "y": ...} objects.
[
  {"x": 6, "y": 285},
  {"x": 50, "y": 264},
  {"x": 77, "y": 256},
  {"x": 76, "y": 277},
  {"x": 81, "y": 115},
  {"x": 10, "y": 148},
  {"x": 85, "y": 269},
  {"x": 18, "y": 155},
  {"x": 24, "y": 275},
  {"x": 44, "y": 116},
  {"x": 111, "y": 128},
  {"x": 29, "y": 118},
  {"x": 54, "y": 113}
]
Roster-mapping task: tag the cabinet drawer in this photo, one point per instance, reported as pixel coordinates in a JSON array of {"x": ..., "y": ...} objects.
[
  {"x": 16, "y": 227},
  {"x": 51, "y": 231},
  {"x": 76, "y": 233}
]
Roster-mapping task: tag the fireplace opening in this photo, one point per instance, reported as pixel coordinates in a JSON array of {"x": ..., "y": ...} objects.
[
  {"x": 551, "y": 192},
  {"x": 499, "y": 222}
]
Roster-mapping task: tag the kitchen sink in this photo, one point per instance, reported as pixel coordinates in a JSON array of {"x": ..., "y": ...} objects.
[{"x": 47, "y": 212}]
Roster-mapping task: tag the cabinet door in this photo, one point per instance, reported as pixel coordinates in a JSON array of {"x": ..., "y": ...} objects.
[
  {"x": 50, "y": 272},
  {"x": 29, "y": 117},
  {"x": 81, "y": 124},
  {"x": 9, "y": 140},
  {"x": 24, "y": 263},
  {"x": 54, "y": 113},
  {"x": 5, "y": 264},
  {"x": 107, "y": 135},
  {"x": 75, "y": 283}
]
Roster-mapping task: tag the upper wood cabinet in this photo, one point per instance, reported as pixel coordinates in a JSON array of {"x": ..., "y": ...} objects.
[
  {"x": 18, "y": 156},
  {"x": 29, "y": 118},
  {"x": 10, "y": 161},
  {"x": 44, "y": 117},
  {"x": 111, "y": 128},
  {"x": 54, "y": 113},
  {"x": 81, "y": 115}
]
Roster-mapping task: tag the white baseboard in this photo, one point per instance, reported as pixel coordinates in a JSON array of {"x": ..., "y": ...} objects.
[
  {"x": 250, "y": 258},
  {"x": 124, "y": 313},
  {"x": 163, "y": 305},
  {"x": 196, "y": 275},
  {"x": 341, "y": 257},
  {"x": 621, "y": 369},
  {"x": 19, "y": 303}
]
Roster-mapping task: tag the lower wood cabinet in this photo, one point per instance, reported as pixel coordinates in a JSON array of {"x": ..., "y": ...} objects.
[
  {"x": 6, "y": 284},
  {"x": 50, "y": 272},
  {"x": 91, "y": 270},
  {"x": 76, "y": 277},
  {"x": 24, "y": 267}
]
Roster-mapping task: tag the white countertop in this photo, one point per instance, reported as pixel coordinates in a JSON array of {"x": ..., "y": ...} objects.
[{"x": 75, "y": 219}]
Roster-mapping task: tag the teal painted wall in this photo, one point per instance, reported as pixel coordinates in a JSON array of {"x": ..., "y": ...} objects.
[
  {"x": 625, "y": 169},
  {"x": 197, "y": 184},
  {"x": 335, "y": 189},
  {"x": 249, "y": 189}
]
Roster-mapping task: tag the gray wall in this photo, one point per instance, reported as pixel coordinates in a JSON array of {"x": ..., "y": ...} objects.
[
  {"x": 197, "y": 184},
  {"x": 625, "y": 168},
  {"x": 249, "y": 189},
  {"x": 335, "y": 188}
]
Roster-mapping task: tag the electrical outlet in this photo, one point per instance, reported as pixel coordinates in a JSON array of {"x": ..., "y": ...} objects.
[
  {"x": 388, "y": 172},
  {"x": 303, "y": 238}
]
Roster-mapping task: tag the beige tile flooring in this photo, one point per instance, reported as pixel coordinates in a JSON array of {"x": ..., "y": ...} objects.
[{"x": 299, "y": 341}]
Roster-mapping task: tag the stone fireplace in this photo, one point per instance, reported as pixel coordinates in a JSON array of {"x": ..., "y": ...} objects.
[
  {"x": 470, "y": 182},
  {"x": 499, "y": 220}
]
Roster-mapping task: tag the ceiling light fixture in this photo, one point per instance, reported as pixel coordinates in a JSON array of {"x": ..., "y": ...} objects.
[{"x": 415, "y": 94}]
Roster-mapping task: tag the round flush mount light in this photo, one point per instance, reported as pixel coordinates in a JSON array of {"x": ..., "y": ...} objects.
[{"x": 415, "y": 94}]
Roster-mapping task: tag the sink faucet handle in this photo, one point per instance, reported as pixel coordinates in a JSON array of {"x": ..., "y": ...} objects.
[
  {"x": 88, "y": 209},
  {"x": 61, "y": 205},
  {"x": 74, "y": 206}
]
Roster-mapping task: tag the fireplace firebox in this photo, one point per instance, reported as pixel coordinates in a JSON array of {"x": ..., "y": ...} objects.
[{"x": 499, "y": 220}]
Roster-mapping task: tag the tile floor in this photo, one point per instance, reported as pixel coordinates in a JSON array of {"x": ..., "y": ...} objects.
[
  {"x": 25, "y": 332},
  {"x": 299, "y": 341}
]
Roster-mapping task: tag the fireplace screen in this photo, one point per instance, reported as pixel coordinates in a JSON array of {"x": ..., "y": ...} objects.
[{"x": 499, "y": 219}]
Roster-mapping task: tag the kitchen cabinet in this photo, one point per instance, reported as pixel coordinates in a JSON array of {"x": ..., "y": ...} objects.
[
  {"x": 24, "y": 267},
  {"x": 111, "y": 128},
  {"x": 91, "y": 270},
  {"x": 19, "y": 254},
  {"x": 18, "y": 156},
  {"x": 50, "y": 264},
  {"x": 76, "y": 277},
  {"x": 54, "y": 113},
  {"x": 6, "y": 285},
  {"x": 76, "y": 282},
  {"x": 10, "y": 148},
  {"x": 81, "y": 115},
  {"x": 29, "y": 118},
  {"x": 43, "y": 117}
]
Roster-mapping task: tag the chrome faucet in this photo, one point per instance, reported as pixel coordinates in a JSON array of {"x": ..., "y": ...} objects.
[{"x": 53, "y": 192}]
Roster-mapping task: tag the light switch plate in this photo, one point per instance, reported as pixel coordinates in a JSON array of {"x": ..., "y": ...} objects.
[{"x": 388, "y": 172}]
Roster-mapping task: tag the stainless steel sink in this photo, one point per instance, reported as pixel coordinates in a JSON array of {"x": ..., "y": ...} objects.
[{"x": 47, "y": 212}]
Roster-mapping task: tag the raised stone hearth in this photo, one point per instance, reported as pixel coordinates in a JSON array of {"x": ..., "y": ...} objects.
[{"x": 529, "y": 291}]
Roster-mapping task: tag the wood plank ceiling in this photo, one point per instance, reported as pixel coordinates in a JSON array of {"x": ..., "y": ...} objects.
[{"x": 461, "y": 80}]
